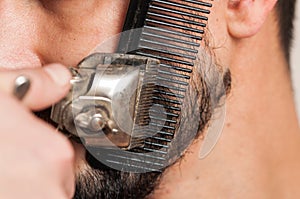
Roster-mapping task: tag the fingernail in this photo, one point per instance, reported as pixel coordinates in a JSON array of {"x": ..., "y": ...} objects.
[{"x": 59, "y": 73}]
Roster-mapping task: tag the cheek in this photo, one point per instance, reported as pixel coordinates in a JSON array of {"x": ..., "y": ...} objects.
[
  {"x": 34, "y": 33},
  {"x": 67, "y": 38},
  {"x": 18, "y": 35},
  {"x": 15, "y": 59},
  {"x": 218, "y": 37}
]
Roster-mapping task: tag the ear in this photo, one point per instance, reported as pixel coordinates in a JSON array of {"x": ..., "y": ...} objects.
[{"x": 246, "y": 17}]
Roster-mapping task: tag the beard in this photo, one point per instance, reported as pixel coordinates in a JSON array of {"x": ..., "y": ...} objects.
[{"x": 101, "y": 181}]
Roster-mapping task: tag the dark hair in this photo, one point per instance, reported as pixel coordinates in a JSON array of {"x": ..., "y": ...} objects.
[{"x": 286, "y": 12}]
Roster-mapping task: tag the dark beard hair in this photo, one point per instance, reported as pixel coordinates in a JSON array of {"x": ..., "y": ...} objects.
[
  {"x": 105, "y": 182},
  {"x": 101, "y": 181}
]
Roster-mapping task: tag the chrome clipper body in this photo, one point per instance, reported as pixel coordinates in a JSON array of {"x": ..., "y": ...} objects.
[{"x": 106, "y": 105}]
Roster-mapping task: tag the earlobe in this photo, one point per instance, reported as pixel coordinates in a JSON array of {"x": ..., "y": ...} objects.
[{"x": 246, "y": 17}]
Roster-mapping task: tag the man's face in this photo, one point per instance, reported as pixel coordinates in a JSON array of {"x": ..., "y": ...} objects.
[{"x": 35, "y": 33}]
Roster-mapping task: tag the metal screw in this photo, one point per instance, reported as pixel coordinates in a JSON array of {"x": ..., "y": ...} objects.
[{"x": 97, "y": 122}]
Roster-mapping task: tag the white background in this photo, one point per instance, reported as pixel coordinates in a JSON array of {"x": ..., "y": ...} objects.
[{"x": 296, "y": 60}]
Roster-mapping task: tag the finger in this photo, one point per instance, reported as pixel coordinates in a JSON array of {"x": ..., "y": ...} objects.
[
  {"x": 50, "y": 154},
  {"x": 47, "y": 85}
]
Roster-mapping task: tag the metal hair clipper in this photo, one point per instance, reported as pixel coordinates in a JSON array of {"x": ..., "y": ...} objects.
[{"x": 108, "y": 96}]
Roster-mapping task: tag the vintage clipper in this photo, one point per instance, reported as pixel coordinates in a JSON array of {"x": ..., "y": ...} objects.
[{"x": 109, "y": 101}]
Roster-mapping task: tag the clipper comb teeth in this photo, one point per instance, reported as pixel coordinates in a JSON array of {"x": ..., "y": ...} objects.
[{"x": 170, "y": 31}]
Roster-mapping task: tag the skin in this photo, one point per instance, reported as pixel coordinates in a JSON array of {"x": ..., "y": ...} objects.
[
  {"x": 34, "y": 34},
  {"x": 256, "y": 156}
]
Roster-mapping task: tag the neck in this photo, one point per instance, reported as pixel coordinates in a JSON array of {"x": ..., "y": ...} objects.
[{"x": 257, "y": 154}]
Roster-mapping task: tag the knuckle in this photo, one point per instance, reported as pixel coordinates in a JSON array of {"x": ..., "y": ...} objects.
[
  {"x": 67, "y": 153},
  {"x": 56, "y": 150},
  {"x": 64, "y": 153}
]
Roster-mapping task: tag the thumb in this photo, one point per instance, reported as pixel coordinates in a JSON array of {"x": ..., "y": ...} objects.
[{"x": 47, "y": 84}]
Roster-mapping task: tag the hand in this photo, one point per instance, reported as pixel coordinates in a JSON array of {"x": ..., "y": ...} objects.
[{"x": 35, "y": 160}]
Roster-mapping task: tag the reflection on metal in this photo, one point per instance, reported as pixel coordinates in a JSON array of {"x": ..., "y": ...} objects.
[
  {"x": 105, "y": 103},
  {"x": 21, "y": 87}
]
